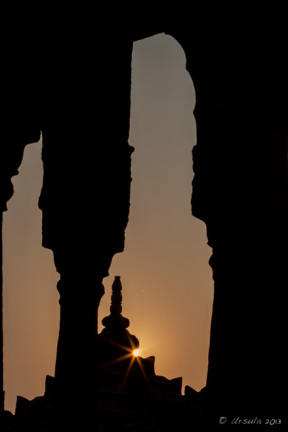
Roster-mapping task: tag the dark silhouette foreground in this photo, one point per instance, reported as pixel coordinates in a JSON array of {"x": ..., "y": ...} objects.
[{"x": 67, "y": 78}]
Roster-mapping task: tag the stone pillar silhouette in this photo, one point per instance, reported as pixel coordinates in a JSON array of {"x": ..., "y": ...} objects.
[
  {"x": 86, "y": 187},
  {"x": 1, "y": 324},
  {"x": 240, "y": 192}
]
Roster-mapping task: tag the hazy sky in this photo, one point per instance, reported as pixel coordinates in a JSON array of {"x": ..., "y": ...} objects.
[{"x": 167, "y": 282}]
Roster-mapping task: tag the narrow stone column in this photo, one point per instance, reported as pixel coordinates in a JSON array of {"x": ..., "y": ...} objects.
[{"x": 1, "y": 324}]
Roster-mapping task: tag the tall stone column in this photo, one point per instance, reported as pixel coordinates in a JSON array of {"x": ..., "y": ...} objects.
[
  {"x": 1, "y": 324},
  {"x": 85, "y": 197},
  {"x": 240, "y": 192}
]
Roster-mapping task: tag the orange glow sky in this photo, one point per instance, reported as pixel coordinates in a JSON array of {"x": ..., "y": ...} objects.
[{"x": 167, "y": 282}]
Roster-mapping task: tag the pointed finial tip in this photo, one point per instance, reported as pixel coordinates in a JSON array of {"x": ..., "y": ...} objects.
[
  {"x": 117, "y": 285},
  {"x": 115, "y": 319},
  {"x": 116, "y": 297}
]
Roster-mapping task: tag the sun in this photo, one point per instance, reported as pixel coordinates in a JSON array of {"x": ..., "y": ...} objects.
[{"x": 136, "y": 352}]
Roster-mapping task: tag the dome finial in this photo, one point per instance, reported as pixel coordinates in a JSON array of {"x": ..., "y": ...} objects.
[{"x": 115, "y": 319}]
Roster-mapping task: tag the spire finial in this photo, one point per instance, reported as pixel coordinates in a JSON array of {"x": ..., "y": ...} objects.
[
  {"x": 115, "y": 337},
  {"x": 115, "y": 319},
  {"x": 116, "y": 297}
]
